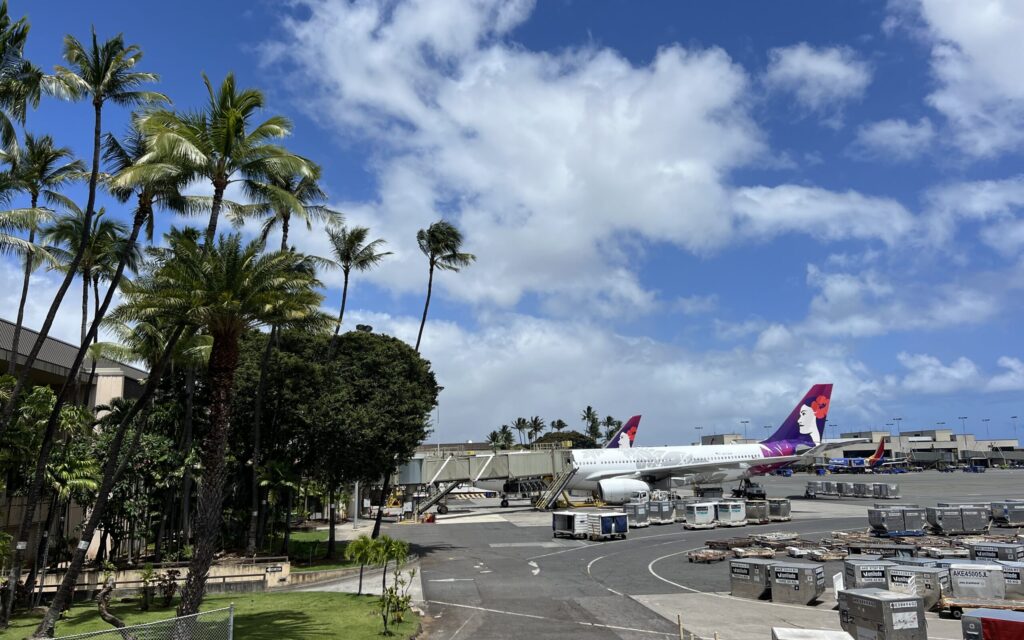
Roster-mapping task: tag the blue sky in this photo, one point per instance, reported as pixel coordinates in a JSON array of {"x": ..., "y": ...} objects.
[{"x": 687, "y": 210}]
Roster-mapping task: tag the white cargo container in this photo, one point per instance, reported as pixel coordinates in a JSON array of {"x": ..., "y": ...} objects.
[
  {"x": 996, "y": 551},
  {"x": 700, "y": 515},
  {"x": 784, "y": 633},
  {"x": 570, "y": 524},
  {"x": 931, "y": 583},
  {"x": 1013, "y": 572},
  {"x": 605, "y": 525},
  {"x": 731, "y": 514}
]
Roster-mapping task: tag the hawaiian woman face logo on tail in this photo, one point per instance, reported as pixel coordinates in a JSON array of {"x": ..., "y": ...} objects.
[{"x": 809, "y": 416}]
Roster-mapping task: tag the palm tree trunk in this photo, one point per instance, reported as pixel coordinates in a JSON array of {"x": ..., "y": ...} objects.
[
  {"x": 42, "y": 547},
  {"x": 257, "y": 423},
  {"x": 384, "y": 492},
  {"x": 96, "y": 336},
  {"x": 112, "y": 472},
  {"x": 287, "y": 522},
  {"x": 186, "y": 483},
  {"x": 423, "y": 321},
  {"x": 284, "y": 231},
  {"x": 222, "y": 366},
  {"x": 13, "y": 363},
  {"x": 218, "y": 199},
  {"x": 341, "y": 315},
  {"x": 332, "y": 536},
  {"x": 51, "y": 314}
]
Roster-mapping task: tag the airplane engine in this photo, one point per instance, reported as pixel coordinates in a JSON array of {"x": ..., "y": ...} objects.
[{"x": 620, "y": 490}]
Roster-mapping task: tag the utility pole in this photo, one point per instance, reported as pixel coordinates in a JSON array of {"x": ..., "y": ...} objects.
[{"x": 745, "y": 423}]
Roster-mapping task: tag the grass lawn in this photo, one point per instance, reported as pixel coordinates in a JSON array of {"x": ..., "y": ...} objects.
[
  {"x": 308, "y": 550},
  {"x": 258, "y": 616}
]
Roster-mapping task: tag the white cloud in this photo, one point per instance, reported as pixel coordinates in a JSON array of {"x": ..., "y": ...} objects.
[
  {"x": 822, "y": 79},
  {"x": 894, "y": 139},
  {"x": 927, "y": 374},
  {"x": 1005, "y": 237},
  {"x": 507, "y": 368},
  {"x": 976, "y": 48},
  {"x": 696, "y": 305},
  {"x": 1012, "y": 379},
  {"x": 822, "y": 214},
  {"x": 981, "y": 200},
  {"x": 559, "y": 167}
]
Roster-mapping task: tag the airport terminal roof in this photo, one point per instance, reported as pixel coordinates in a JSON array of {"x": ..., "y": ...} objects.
[{"x": 56, "y": 356}]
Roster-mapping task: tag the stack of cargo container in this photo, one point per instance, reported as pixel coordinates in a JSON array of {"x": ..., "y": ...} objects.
[
  {"x": 661, "y": 512},
  {"x": 954, "y": 520},
  {"x": 750, "y": 578},
  {"x": 931, "y": 583},
  {"x": 636, "y": 512},
  {"x": 797, "y": 582}
]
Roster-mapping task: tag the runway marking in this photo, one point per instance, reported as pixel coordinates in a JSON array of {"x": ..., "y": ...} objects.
[
  {"x": 535, "y": 570},
  {"x": 614, "y": 591},
  {"x": 543, "y": 545},
  {"x": 581, "y": 623},
  {"x": 591, "y": 563},
  {"x": 453, "y": 580},
  {"x": 462, "y": 626}
]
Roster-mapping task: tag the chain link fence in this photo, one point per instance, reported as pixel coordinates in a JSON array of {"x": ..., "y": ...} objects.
[{"x": 218, "y": 624}]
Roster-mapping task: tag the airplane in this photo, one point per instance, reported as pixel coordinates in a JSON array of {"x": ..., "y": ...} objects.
[
  {"x": 877, "y": 459},
  {"x": 621, "y": 475},
  {"x": 623, "y": 438}
]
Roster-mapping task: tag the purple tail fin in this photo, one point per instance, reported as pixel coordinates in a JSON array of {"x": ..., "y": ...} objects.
[
  {"x": 624, "y": 437},
  {"x": 806, "y": 423}
]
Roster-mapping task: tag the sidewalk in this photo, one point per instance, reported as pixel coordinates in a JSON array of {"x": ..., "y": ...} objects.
[{"x": 371, "y": 582}]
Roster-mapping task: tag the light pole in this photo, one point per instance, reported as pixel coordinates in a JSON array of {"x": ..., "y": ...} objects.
[
  {"x": 766, "y": 432},
  {"x": 1014, "y": 418},
  {"x": 700, "y": 440},
  {"x": 745, "y": 423},
  {"x": 899, "y": 425},
  {"x": 963, "y": 427},
  {"x": 988, "y": 433}
]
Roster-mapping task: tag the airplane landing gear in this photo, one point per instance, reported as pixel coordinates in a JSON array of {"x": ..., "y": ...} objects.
[
  {"x": 442, "y": 509},
  {"x": 504, "y": 502}
]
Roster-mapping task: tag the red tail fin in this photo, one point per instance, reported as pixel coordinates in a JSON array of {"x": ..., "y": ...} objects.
[{"x": 876, "y": 459}]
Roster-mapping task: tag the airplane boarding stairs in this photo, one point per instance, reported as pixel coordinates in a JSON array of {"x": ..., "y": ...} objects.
[{"x": 558, "y": 485}]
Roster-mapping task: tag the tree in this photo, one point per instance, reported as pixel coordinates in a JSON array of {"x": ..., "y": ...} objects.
[
  {"x": 224, "y": 289},
  {"x": 536, "y": 427},
  {"x": 101, "y": 73},
  {"x": 506, "y": 437},
  {"x": 40, "y": 169},
  {"x": 441, "y": 242},
  {"x": 20, "y": 80},
  {"x": 494, "y": 440},
  {"x": 521, "y": 425},
  {"x": 352, "y": 251},
  {"x": 380, "y": 410},
  {"x": 558, "y": 424},
  {"x": 611, "y": 425},
  {"x": 576, "y": 439},
  {"x": 364, "y": 551},
  {"x": 591, "y": 422},
  {"x": 220, "y": 145}
]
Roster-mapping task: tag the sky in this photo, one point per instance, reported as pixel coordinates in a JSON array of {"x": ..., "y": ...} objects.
[{"x": 689, "y": 211}]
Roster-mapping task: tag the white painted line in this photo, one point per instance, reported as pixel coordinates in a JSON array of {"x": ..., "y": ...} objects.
[
  {"x": 591, "y": 563},
  {"x": 614, "y": 591},
  {"x": 542, "y": 545},
  {"x": 462, "y": 626},
  {"x": 453, "y": 580},
  {"x": 596, "y": 625}
]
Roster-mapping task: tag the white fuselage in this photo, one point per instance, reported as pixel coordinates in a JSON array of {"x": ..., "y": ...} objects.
[{"x": 642, "y": 462}]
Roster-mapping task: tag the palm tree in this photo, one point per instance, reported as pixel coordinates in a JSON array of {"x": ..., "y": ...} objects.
[
  {"x": 225, "y": 289},
  {"x": 98, "y": 258},
  {"x": 352, "y": 251},
  {"x": 20, "y": 80},
  {"x": 558, "y": 425},
  {"x": 441, "y": 242},
  {"x": 522, "y": 425},
  {"x": 507, "y": 439},
  {"x": 591, "y": 422},
  {"x": 391, "y": 550},
  {"x": 39, "y": 168},
  {"x": 494, "y": 439},
  {"x": 611, "y": 425},
  {"x": 101, "y": 72},
  {"x": 220, "y": 145},
  {"x": 536, "y": 428},
  {"x": 364, "y": 551}
]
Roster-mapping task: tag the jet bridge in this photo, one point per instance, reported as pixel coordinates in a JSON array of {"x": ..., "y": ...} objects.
[{"x": 442, "y": 473}]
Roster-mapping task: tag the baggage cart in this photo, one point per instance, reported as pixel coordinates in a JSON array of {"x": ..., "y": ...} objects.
[
  {"x": 605, "y": 525},
  {"x": 1006, "y": 513},
  {"x": 957, "y": 606},
  {"x": 636, "y": 513},
  {"x": 992, "y": 624},
  {"x": 863, "y": 490},
  {"x": 570, "y": 524},
  {"x": 846, "y": 489},
  {"x": 661, "y": 512},
  {"x": 753, "y": 552},
  {"x": 779, "y": 510},
  {"x": 680, "y": 509},
  {"x": 707, "y": 556},
  {"x": 872, "y": 614},
  {"x": 757, "y": 512}
]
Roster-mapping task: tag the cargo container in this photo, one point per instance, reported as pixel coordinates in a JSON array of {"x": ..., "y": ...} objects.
[
  {"x": 570, "y": 524},
  {"x": 661, "y": 512},
  {"x": 731, "y": 514},
  {"x": 1013, "y": 572},
  {"x": 636, "y": 512},
  {"x": 886, "y": 490},
  {"x": 945, "y": 520},
  {"x": 887, "y": 521},
  {"x": 915, "y": 519},
  {"x": 785, "y": 633},
  {"x": 861, "y": 574},
  {"x": 700, "y": 515},
  {"x": 797, "y": 582},
  {"x": 946, "y": 563},
  {"x": 916, "y": 562},
  {"x": 884, "y": 549},
  {"x": 977, "y": 581},
  {"x": 1008, "y": 513},
  {"x": 757, "y": 512},
  {"x": 779, "y": 510},
  {"x": 931, "y": 583},
  {"x": 605, "y": 525},
  {"x": 976, "y": 519},
  {"x": 992, "y": 624},
  {"x": 877, "y": 614},
  {"x": 846, "y": 489},
  {"x": 680, "y": 509},
  {"x": 829, "y": 488},
  {"x": 750, "y": 578},
  {"x": 863, "y": 490},
  {"x": 996, "y": 551}
]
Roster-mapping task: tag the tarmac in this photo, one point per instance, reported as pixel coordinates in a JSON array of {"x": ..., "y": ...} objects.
[{"x": 489, "y": 572}]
